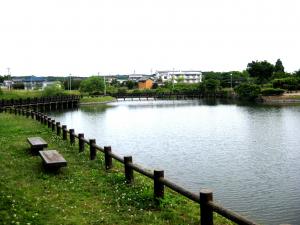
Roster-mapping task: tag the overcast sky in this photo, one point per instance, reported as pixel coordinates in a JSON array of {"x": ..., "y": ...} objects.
[{"x": 83, "y": 37}]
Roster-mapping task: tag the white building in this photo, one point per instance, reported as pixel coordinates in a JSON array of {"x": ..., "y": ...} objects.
[{"x": 186, "y": 76}]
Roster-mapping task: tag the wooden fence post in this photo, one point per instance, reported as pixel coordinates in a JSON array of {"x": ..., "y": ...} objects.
[
  {"x": 49, "y": 122},
  {"x": 206, "y": 211},
  {"x": 41, "y": 118},
  {"x": 108, "y": 158},
  {"x": 92, "y": 149},
  {"x": 64, "y": 129},
  {"x": 53, "y": 125},
  {"x": 45, "y": 120},
  {"x": 72, "y": 136},
  {"x": 58, "y": 128},
  {"x": 81, "y": 142},
  {"x": 128, "y": 170},
  {"x": 158, "y": 186},
  {"x": 32, "y": 115}
]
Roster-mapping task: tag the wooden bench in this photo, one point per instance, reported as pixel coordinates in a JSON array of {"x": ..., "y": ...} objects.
[
  {"x": 37, "y": 144},
  {"x": 52, "y": 159}
]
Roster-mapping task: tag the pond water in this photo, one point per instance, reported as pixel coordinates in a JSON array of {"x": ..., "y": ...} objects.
[{"x": 248, "y": 154}]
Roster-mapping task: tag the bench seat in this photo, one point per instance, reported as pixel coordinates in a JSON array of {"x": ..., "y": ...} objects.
[
  {"x": 37, "y": 144},
  {"x": 52, "y": 159}
]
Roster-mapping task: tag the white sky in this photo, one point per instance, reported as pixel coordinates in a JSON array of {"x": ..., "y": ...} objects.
[{"x": 83, "y": 37}]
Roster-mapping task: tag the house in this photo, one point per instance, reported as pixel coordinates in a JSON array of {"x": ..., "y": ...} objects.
[
  {"x": 31, "y": 82},
  {"x": 185, "y": 76},
  {"x": 8, "y": 84},
  {"x": 145, "y": 83}
]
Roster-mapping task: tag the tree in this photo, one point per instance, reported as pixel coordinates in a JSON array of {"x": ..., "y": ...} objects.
[
  {"x": 248, "y": 91},
  {"x": 130, "y": 84},
  {"x": 55, "y": 89},
  {"x": 289, "y": 83},
  {"x": 75, "y": 84},
  {"x": 262, "y": 70},
  {"x": 211, "y": 85},
  {"x": 297, "y": 73},
  {"x": 279, "y": 66},
  {"x": 93, "y": 84}
]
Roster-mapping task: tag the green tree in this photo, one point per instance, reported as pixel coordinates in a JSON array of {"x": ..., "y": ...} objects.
[
  {"x": 289, "y": 83},
  {"x": 278, "y": 66},
  {"x": 115, "y": 83},
  {"x": 211, "y": 86},
  {"x": 130, "y": 84},
  {"x": 75, "y": 84},
  {"x": 262, "y": 71},
  {"x": 93, "y": 84},
  {"x": 297, "y": 73},
  {"x": 55, "y": 89},
  {"x": 248, "y": 91}
]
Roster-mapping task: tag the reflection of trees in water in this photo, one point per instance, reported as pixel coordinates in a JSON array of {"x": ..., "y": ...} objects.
[
  {"x": 174, "y": 103},
  {"x": 90, "y": 109},
  {"x": 95, "y": 108}
]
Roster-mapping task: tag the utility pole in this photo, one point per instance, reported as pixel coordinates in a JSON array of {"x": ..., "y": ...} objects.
[
  {"x": 70, "y": 85},
  {"x": 8, "y": 76},
  {"x": 173, "y": 81},
  {"x": 104, "y": 86}
]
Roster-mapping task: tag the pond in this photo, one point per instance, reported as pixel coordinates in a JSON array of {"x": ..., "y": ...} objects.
[{"x": 248, "y": 154}]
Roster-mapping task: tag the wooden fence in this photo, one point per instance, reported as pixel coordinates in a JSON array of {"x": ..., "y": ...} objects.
[{"x": 41, "y": 103}]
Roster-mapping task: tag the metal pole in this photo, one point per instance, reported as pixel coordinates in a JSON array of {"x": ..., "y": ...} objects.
[{"x": 70, "y": 82}]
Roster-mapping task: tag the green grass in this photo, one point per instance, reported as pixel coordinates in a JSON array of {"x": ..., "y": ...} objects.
[
  {"x": 17, "y": 94},
  {"x": 82, "y": 193},
  {"x": 97, "y": 99},
  {"x": 294, "y": 97}
]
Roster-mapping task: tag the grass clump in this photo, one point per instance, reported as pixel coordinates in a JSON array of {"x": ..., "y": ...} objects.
[{"x": 82, "y": 193}]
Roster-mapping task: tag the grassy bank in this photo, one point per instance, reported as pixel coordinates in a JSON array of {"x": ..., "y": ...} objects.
[
  {"x": 82, "y": 193},
  {"x": 17, "y": 94}
]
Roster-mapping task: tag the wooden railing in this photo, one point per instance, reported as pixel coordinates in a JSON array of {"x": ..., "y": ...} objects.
[
  {"x": 204, "y": 198},
  {"x": 35, "y": 101}
]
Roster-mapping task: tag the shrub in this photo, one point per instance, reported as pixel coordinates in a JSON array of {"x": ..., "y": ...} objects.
[
  {"x": 122, "y": 90},
  {"x": 18, "y": 86},
  {"x": 290, "y": 83},
  {"x": 247, "y": 91},
  {"x": 55, "y": 89},
  {"x": 163, "y": 91},
  {"x": 272, "y": 91}
]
